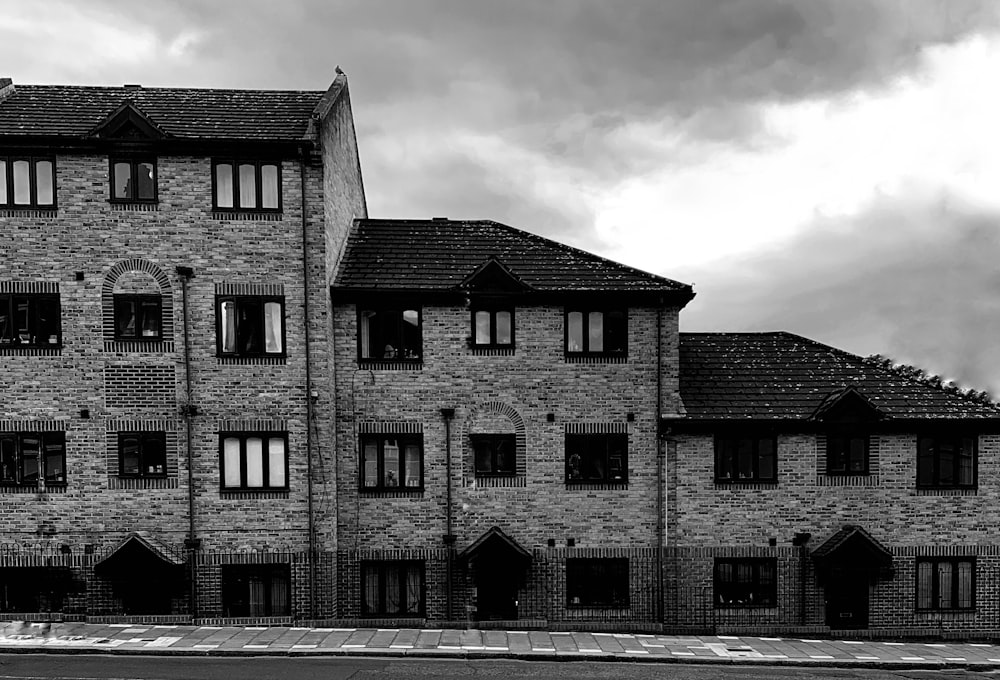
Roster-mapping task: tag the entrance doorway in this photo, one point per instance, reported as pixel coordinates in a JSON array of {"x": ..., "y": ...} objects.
[
  {"x": 498, "y": 566},
  {"x": 847, "y": 599}
]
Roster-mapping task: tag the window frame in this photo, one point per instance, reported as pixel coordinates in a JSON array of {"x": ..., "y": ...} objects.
[
  {"x": 57, "y": 438},
  {"x": 401, "y": 309},
  {"x": 133, "y": 163},
  {"x": 492, "y": 310},
  {"x": 403, "y": 439},
  {"x": 585, "y": 350},
  {"x": 587, "y": 441},
  {"x": 845, "y": 437},
  {"x": 587, "y": 577},
  {"x": 492, "y": 440},
  {"x": 137, "y": 299},
  {"x": 9, "y": 300},
  {"x": 234, "y": 164},
  {"x": 754, "y": 585},
  {"x": 756, "y": 439},
  {"x": 935, "y": 594},
  {"x": 266, "y": 572},
  {"x": 953, "y": 438},
  {"x": 157, "y": 435},
  {"x": 261, "y": 301},
  {"x": 384, "y": 570},
  {"x": 8, "y": 180},
  {"x": 265, "y": 436}
]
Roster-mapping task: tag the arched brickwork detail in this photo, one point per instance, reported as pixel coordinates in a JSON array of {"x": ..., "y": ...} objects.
[
  {"x": 494, "y": 417},
  {"x": 136, "y": 275}
]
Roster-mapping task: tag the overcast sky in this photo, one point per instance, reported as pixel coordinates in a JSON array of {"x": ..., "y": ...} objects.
[{"x": 826, "y": 167}]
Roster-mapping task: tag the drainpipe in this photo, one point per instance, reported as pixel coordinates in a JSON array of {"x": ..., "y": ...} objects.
[
  {"x": 309, "y": 392},
  {"x": 449, "y": 537},
  {"x": 661, "y": 501},
  {"x": 192, "y": 543}
]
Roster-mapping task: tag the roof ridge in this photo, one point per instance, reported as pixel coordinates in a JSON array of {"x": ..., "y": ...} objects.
[{"x": 144, "y": 88}]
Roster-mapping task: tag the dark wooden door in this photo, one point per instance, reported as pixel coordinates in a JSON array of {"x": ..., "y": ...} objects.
[
  {"x": 496, "y": 592},
  {"x": 847, "y": 600}
]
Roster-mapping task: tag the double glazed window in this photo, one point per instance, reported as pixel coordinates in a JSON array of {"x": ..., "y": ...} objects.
[
  {"x": 596, "y": 332},
  {"x": 847, "y": 454},
  {"x": 250, "y": 325},
  {"x": 493, "y": 328},
  {"x": 133, "y": 180},
  {"x": 392, "y": 461},
  {"x": 946, "y": 462},
  {"x": 27, "y": 457},
  {"x": 27, "y": 182},
  {"x": 389, "y": 334},
  {"x": 392, "y": 588},
  {"x": 746, "y": 459},
  {"x": 138, "y": 317},
  {"x": 142, "y": 454},
  {"x": 494, "y": 455},
  {"x": 29, "y": 320},
  {"x": 946, "y": 583},
  {"x": 746, "y": 582},
  {"x": 245, "y": 185},
  {"x": 256, "y": 590},
  {"x": 254, "y": 460},
  {"x": 597, "y": 582},
  {"x": 597, "y": 458}
]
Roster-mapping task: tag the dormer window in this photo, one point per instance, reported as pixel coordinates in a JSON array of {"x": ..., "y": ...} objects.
[
  {"x": 27, "y": 182},
  {"x": 133, "y": 180},
  {"x": 246, "y": 185}
]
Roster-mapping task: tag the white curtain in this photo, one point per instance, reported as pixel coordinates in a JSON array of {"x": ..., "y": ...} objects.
[
  {"x": 276, "y": 462},
  {"x": 231, "y": 461},
  {"x": 255, "y": 462},
  {"x": 272, "y": 327}
]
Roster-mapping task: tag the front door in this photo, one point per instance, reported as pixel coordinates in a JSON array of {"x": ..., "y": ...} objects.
[
  {"x": 847, "y": 600},
  {"x": 496, "y": 591}
]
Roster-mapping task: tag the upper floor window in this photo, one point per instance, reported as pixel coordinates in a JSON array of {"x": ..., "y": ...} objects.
[
  {"x": 495, "y": 455},
  {"x": 29, "y": 320},
  {"x": 847, "y": 454},
  {"x": 392, "y": 588},
  {"x": 946, "y": 462},
  {"x": 597, "y": 457},
  {"x": 493, "y": 328},
  {"x": 133, "y": 180},
  {"x": 250, "y": 325},
  {"x": 138, "y": 317},
  {"x": 946, "y": 583},
  {"x": 392, "y": 461},
  {"x": 597, "y": 582},
  {"x": 27, "y": 182},
  {"x": 254, "y": 460},
  {"x": 142, "y": 454},
  {"x": 746, "y": 459},
  {"x": 597, "y": 333},
  {"x": 247, "y": 185},
  {"x": 27, "y": 457},
  {"x": 389, "y": 334},
  {"x": 746, "y": 582}
]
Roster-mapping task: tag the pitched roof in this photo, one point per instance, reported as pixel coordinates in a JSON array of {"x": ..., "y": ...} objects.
[
  {"x": 740, "y": 376},
  {"x": 186, "y": 113},
  {"x": 441, "y": 254},
  {"x": 853, "y": 545}
]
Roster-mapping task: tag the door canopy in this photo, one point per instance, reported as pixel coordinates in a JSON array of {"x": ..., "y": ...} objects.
[
  {"x": 138, "y": 552},
  {"x": 853, "y": 549},
  {"x": 495, "y": 548}
]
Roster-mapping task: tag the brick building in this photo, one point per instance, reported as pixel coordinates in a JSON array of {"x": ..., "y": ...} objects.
[{"x": 164, "y": 336}]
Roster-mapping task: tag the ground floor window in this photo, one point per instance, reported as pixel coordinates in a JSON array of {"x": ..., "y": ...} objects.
[
  {"x": 746, "y": 582},
  {"x": 32, "y": 589},
  {"x": 597, "y": 582},
  {"x": 946, "y": 583},
  {"x": 393, "y": 588},
  {"x": 256, "y": 590}
]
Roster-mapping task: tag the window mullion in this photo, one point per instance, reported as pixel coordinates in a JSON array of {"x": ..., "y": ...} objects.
[{"x": 243, "y": 462}]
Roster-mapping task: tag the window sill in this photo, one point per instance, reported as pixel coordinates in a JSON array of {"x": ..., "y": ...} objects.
[
  {"x": 117, "y": 482},
  {"x": 21, "y": 488},
  {"x": 393, "y": 493},
  {"x": 253, "y": 361},
  {"x": 597, "y": 486},
  {"x": 847, "y": 480},
  {"x": 246, "y": 216},
  {"x": 46, "y": 212},
  {"x": 947, "y": 491},
  {"x": 22, "y": 350},
  {"x": 496, "y": 482},
  {"x": 391, "y": 364},
  {"x": 139, "y": 346},
  {"x": 252, "y": 494},
  {"x": 596, "y": 358},
  {"x": 134, "y": 206},
  {"x": 746, "y": 484},
  {"x": 485, "y": 351},
  {"x": 735, "y": 608}
]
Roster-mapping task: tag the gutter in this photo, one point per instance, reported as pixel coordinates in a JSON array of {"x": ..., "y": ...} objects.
[{"x": 192, "y": 543}]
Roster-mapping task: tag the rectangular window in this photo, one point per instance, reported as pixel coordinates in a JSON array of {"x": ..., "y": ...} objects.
[
  {"x": 138, "y": 317},
  {"x": 946, "y": 462},
  {"x": 746, "y": 459},
  {"x": 30, "y": 320},
  {"x": 250, "y": 325},
  {"x": 946, "y": 583},
  {"x": 596, "y": 458},
  {"x": 389, "y": 335},
  {"x": 392, "y": 588},
  {"x": 256, "y": 589},
  {"x": 390, "y": 462},
  {"x": 27, "y": 182},
  {"x": 26, "y": 457},
  {"x": 253, "y": 461},
  {"x": 493, "y": 328},
  {"x": 142, "y": 454},
  {"x": 494, "y": 455},
  {"x": 597, "y": 582},
  {"x": 596, "y": 333},
  {"x": 133, "y": 180},
  {"x": 746, "y": 582},
  {"x": 250, "y": 186},
  {"x": 847, "y": 454}
]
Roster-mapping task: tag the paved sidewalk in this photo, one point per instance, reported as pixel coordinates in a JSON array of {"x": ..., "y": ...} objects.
[{"x": 92, "y": 638}]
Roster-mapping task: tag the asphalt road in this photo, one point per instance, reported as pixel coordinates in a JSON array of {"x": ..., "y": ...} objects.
[{"x": 91, "y": 667}]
